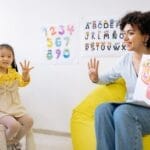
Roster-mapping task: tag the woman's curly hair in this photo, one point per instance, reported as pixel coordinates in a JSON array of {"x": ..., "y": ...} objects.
[{"x": 139, "y": 19}]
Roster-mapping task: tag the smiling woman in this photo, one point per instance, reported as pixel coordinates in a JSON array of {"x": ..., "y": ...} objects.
[{"x": 113, "y": 121}]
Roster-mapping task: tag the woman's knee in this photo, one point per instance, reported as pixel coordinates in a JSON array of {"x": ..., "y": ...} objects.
[
  {"x": 123, "y": 114},
  {"x": 103, "y": 109}
]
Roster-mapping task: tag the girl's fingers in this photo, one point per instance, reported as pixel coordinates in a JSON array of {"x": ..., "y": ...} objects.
[
  {"x": 26, "y": 65},
  {"x": 21, "y": 65},
  {"x": 31, "y": 68}
]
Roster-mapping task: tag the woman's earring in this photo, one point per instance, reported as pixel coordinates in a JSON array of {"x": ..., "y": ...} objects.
[{"x": 145, "y": 43}]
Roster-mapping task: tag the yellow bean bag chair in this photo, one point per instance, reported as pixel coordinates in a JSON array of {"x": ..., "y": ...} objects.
[{"x": 82, "y": 120}]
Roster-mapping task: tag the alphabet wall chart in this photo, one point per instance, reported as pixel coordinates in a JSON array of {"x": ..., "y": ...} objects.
[{"x": 101, "y": 37}]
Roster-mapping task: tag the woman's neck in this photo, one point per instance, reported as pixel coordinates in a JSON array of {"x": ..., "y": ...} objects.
[
  {"x": 138, "y": 54},
  {"x": 136, "y": 59}
]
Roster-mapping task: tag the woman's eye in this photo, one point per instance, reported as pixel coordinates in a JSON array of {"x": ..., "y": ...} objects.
[{"x": 131, "y": 33}]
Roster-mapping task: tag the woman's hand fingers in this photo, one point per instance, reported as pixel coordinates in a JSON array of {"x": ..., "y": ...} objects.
[{"x": 93, "y": 64}]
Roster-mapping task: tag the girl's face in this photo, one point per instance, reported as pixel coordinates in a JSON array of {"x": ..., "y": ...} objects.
[
  {"x": 133, "y": 39},
  {"x": 6, "y": 58}
]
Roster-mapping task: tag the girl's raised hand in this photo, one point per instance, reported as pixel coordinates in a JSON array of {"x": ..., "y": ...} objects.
[
  {"x": 93, "y": 65},
  {"x": 25, "y": 66}
]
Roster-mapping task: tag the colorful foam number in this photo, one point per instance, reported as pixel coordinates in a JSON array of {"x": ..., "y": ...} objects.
[
  {"x": 49, "y": 42},
  {"x": 70, "y": 29},
  {"x": 67, "y": 39},
  {"x": 61, "y": 30},
  {"x": 58, "y": 53},
  {"x": 53, "y": 30},
  {"x": 58, "y": 42},
  {"x": 49, "y": 55},
  {"x": 45, "y": 31},
  {"x": 66, "y": 53}
]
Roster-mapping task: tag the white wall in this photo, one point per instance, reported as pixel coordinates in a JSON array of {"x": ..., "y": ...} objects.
[{"x": 55, "y": 89}]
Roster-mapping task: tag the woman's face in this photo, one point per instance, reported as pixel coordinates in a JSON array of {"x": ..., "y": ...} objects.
[
  {"x": 133, "y": 39},
  {"x": 6, "y": 58}
]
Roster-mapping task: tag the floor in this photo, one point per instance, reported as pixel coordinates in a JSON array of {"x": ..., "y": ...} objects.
[{"x": 51, "y": 142}]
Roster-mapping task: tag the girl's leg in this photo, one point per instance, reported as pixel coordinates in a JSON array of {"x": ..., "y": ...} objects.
[
  {"x": 104, "y": 126},
  {"x": 26, "y": 123},
  {"x": 131, "y": 122},
  {"x": 12, "y": 126}
]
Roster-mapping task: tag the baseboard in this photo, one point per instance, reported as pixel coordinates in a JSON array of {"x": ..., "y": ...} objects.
[{"x": 52, "y": 132}]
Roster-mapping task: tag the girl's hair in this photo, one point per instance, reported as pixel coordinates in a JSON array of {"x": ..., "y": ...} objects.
[
  {"x": 139, "y": 19},
  {"x": 14, "y": 65}
]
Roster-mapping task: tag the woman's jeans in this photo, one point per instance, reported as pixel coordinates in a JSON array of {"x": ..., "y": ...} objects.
[{"x": 121, "y": 126}]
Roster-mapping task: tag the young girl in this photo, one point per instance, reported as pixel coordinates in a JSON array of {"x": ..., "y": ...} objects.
[
  {"x": 121, "y": 126},
  {"x": 13, "y": 115}
]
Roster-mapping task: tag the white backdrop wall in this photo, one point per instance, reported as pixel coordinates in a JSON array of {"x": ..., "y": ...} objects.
[{"x": 55, "y": 89}]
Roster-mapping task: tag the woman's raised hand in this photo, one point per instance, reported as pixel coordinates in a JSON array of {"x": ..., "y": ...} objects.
[{"x": 93, "y": 65}]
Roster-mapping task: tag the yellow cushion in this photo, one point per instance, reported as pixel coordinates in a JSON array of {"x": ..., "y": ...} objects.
[{"x": 82, "y": 120}]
